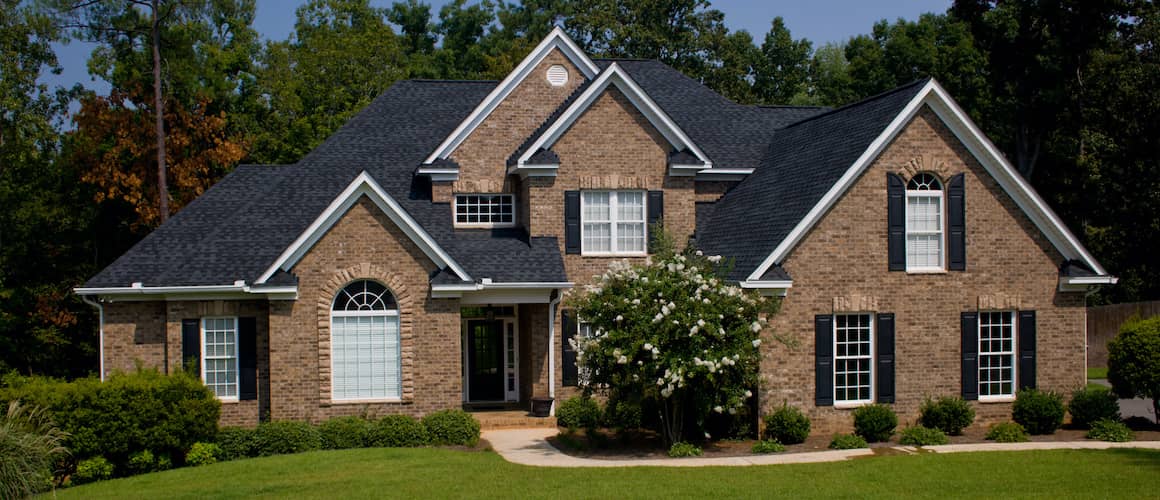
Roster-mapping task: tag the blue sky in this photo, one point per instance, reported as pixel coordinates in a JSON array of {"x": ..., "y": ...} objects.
[{"x": 820, "y": 21}]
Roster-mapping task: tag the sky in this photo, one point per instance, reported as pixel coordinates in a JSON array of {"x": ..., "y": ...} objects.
[{"x": 820, "y": 21}]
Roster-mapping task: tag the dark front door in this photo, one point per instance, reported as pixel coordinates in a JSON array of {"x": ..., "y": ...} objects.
[{"x": 485, "y": 360}]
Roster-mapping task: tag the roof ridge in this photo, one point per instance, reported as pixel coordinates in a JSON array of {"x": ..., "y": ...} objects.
[
  {"x": 446, "y": 80},
  {"x": 861, "y": 102}
]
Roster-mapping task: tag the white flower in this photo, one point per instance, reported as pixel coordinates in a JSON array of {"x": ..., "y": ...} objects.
[
  {"x": 714, "y": 258},
  {"x": 656, "y": 352},
  {"x": 639, "y": 363},
  {"x": 748, "y": 394},
  {"x": 694, "y": 330},
  {"x": 660, "y": 381},
  {"x": 658, "y": 317},
  {"x": 667, "y": 391},
  {"x": 699, "y": 253},
  {"x": 733, "y": 411},
  {"x": 644, "y": 279},
  {"x": 756, "y": 327},
  {"x": 648, "y": 346},
  {"x": 707, "y": 436},
  {"x": 705, "y": 300},
  {"x": 622, "y": 360},
  {"x": 636, "y": 302},
  {"x": 756, "y": 342},
  {"x": 718, "y": 409},
  {"x": 701, "y": 322},
  {"x": 619, "y": 318},
  {"x": 665, "y": 310},
  {"x": 635, "y": 377}
]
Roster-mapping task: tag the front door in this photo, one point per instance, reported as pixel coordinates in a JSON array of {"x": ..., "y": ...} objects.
[{"x": 485, "y": 360}]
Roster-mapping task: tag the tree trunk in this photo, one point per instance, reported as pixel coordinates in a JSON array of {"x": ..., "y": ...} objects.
[{"x": 159, "y": 113}]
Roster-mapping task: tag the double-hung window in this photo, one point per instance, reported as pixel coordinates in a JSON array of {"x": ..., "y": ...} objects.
[
  {"x": 925, "y": 220},
  {"x": 996, "y": 354},
  {"x": 853, "y": 358},
  {"x": 219, "y": 338},
  {"x": 613, "y": 223},
  {"x": 365, "y": 350},
  {"x": 485, "y": 210}
]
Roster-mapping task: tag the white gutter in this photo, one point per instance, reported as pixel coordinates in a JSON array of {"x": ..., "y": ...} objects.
[
  {"x": 139, "y": 289},
  {"x": 773, "y": 284},
  {"x": 552, "y": 350},
  {"x": 100, "y": 334},
  {"x": 486, "y": 284}
]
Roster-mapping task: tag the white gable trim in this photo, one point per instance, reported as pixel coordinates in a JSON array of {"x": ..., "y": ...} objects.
[
  {"x": 555, "y": 40},
  {"x": 363, "y": 185},
  {"x": 614, "y": 75},
  {"x": 933, "y": 95}
]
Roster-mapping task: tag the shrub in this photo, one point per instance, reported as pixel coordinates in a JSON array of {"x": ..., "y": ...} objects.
[
  {"x": 768, "y": 446},
  {"x": 341, "y": 433},
  {"x": 452, "y": 427},
  {"x": 142, "y": 462},
  {"x": 621, "y": 415},
  {"x": 922, "y": 436},
  {"x": 1093, "y": 403},
  {"x": 237, "y": 442},
  {"x": 577, "y": 412},
  {"x": 1110, "y": 430},
  {"x": 848, "y": 442},
  {"x": 787, "y": 425},
  {"x": 1134, "y": 361},
  {"x": 203, "y": 454},
  {"x": 397, "y": 431},
  {"x": 683, "y": 449},
  {"x": 1040, "y": 412},
  {"x": 1007, "y": 432},
  {"x": 948, "y": 414},
  {"x": 875, "y": 422},
  {"x": 92, "y": 469},
  {"x": 280, "y": 438},
  {"x": 29, "y": 446}
]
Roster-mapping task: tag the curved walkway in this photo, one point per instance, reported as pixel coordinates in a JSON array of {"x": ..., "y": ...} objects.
[{"x": 530, "y": 447}]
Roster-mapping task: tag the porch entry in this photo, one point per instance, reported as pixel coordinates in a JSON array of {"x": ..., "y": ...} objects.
[{"x": 490, "y": 355}]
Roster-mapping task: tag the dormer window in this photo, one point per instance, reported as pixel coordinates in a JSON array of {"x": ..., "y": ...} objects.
[
  {"x": 484, "y": 210},
  {"x": 925, "y": 221}
]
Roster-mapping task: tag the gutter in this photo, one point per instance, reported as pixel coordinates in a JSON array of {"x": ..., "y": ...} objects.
[
  {"x": 138, "y": 289},
  {"x": 555, "y": 301},
  {"x": 100, "y": 334}
]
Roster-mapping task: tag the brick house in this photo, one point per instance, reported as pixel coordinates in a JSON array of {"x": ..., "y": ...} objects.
[{"x": 417, "y": 259}]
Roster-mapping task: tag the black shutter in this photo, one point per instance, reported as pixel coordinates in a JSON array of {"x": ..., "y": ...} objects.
[
  {"x": 824, "y": 360},
  {"x": 568, "y": 358},
  {"x": 956, "y": 225},
  {"x": 572, "y": 222},
  {"x": 1026, "y": 349},
  {"x": 970, "y": 331},
  {"x": 885, "y": 361},
  {"x": 656, "y": 212},
  {"x": 247, "y": 358},
  {"x": 896, "y": 222},
  {"x": 191, "y": 345}
]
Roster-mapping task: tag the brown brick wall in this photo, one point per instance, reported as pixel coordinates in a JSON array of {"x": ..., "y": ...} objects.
[
  {"x": 135, "y": 335},
  {"x": 845, "y": 257}
]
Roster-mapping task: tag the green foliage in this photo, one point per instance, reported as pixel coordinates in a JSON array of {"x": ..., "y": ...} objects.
[
  {"x": 875, "y": 422},
  {"x": 949, "y": 414},
  {"x": 621, "y": 415},
  {"x": 142, "y": 462},
  {"x": 29, "y": 446},
  {"x": 682, "y": 449},
  {"x": 922, "y": 436},
  {"x": 92, "y": 469},
  {"x": 452, "y": 427},
  {"x": 280, "y": 438},
  {"x": 237, "y": 442},
  {"x": 1007, "y": 432},
  {"x": 341, "y": 433},
  {"x": 787, "y": 425},
  {"x": 1110, "y": 430},
  {"x": 1040, "y": 412},
  {"x": 203, "y": 454},
  {"x": 848, "y": 442},
  {"x": 1092, "y": 403},
  {"x": 1134, "y": 361},
  {"x": 768, "y": 446},
  {"x": 398, "y": 431},
  {"x": 578, "y": 412}
]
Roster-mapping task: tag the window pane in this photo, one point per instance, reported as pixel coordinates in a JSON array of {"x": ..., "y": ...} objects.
[
  {"x": 596, "y": 206},
  {"x": 630, "y": 237},
  {"x": 630, "y": 206},
  {"x": 365, "y": 353},
  {"x": 219, "y": 353},
  {"x": 996, "y": 353},
  {"x": 852, "y": 364},
  {"x": 485, "y": 209},
  {"x": 598, "y": 237}
]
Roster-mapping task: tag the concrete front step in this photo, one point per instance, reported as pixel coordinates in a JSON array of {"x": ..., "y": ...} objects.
[{"x": 515, "y": 419}]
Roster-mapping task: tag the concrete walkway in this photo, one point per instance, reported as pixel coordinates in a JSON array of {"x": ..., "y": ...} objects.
[{"x": 530, "y": 447}]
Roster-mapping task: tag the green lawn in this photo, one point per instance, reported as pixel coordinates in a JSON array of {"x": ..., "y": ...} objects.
[
  {"x": 395, "y": 473},
  {"x": 1097, "y": 373}
]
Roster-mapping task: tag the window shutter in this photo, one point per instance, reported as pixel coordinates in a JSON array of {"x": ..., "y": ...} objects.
[
  {"x": 572, "y": 222},
  {"x": 956, "y": 225},
  {"x": 885, "y": 361},
  {"x": 568, "y": 358},
  {"x": 824, "y": 360},
  {"x": 247, "y": 359},
  {"x": 656, "y": 212},
  {"x": 896, "y": 222},
  {"x": 191, "y": 345},
  {"x": 1026, "y": 349},
  {"x": 970, "y": 331}
]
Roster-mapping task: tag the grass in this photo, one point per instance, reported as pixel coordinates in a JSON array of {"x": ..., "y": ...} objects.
[
  {"x": 423, "y": 473},
  {"x": 1094, "y": 373}
]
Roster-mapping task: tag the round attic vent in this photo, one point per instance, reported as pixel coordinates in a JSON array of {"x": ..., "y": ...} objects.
[{"x": 557, "y": 75}]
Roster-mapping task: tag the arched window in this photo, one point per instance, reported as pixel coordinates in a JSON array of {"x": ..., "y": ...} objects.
[
  {"x": 925, "y": 222},
  {"x": 365, "y": 353}
]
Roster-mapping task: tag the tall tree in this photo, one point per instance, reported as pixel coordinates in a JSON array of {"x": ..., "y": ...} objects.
[{"x": 784, "y": 67}]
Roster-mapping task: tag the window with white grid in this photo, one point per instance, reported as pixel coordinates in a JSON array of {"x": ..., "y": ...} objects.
[
  {"x": 485, "y": 210},
  {"x": 365, "y": 350},
  {"x": 220, "y": 356},
  {"x": 584, "y": 331},
  {"x": 853, "y": 358},
  {"x": 924, "y": 223},
  {"x": 996, "y": 354},
  {"x": 613, "y": 223}
]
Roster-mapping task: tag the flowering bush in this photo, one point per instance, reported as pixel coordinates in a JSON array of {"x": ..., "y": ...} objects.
[{"x": 673, "y": 335}]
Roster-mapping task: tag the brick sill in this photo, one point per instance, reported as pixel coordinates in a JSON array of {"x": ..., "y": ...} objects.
[
  {"x": 1004, "y": 399},
  {"x": 339, "y": 402}
]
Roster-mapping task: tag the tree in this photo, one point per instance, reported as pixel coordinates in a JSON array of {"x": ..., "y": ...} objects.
[
  {"x": 829, "y": 83},
  {"x": 784, "y": 67},
  {"x": 1134, "y": 362}
]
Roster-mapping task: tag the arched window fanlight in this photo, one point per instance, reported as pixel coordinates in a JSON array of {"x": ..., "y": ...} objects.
[
  {"x": 924, "y": 182},
  {"x": 364, "y": 295}
]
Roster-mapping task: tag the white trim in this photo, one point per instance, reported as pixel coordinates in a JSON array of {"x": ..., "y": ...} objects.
[
  {"x": 1084, "y": 283},
  {"x": 614, "y": 75},
  {"x": 439, "y": 174},
  {"x": 239, "y": 290},
  {"x": 778, "y": 288},
  {"x": 723, "y": 174},
  {"x": 941, "y": 232},
  {"x": 237, "y": 358},
  {"x": 933, "y": 95},
  {"x": 100, "y": 333},
  {"x": 557, "y": 39},
  {"x": 498, "y": 293},
  {"x": 363, "y": 185}
]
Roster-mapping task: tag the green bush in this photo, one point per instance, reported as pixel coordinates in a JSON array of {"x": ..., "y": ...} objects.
[
  {"x": 1007, "y": 432},
  {"x": 92, "y": 469},
  {"x": 683, "y": 449},
  {"x": 1110, "y": 430},
  {"x": 1134, "y": 361},
  {"x": 237, "y": 442},
  {"x": 949, "y": 414},
  {"x": 29, "y": 446},
  {"x": 875, "y": 422},
  {"x": 1040, "y": 412},
  {"x": 1092, "y": 403},
  {"x": 787, "y": 425},
  {"x": 578, "y": 412},
  {"x": 452, "y": 427},
  {"x": 922, "y": 436},
  {"x": 203, "y": 454},
  {"x": 397, "y": 431},
  {"x": 768, "y": 446},
  {"x": 621, "y": 415},
  {"x": 142, "y": 462},
  {"x": 341, "y": 433},
  {"x": 280, "y": 438},
  {"x": 848, "y": 442}
]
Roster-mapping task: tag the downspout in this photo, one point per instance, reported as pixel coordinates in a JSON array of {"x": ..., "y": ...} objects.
[
  {"x": 555, "y": 301},
  {"x": 101, "y": 333}
]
